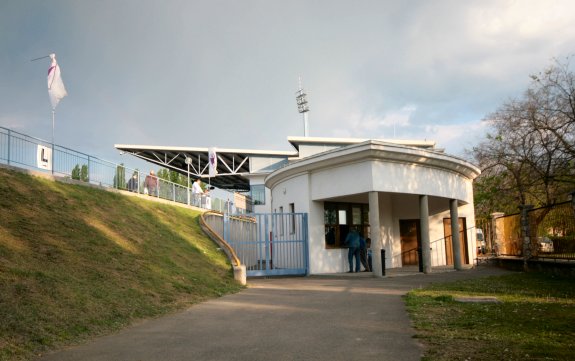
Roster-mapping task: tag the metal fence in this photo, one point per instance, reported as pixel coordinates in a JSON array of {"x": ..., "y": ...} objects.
[
  {"x": 552, "y": 231},
  {"x": 23, "y": 151},
  {"x": 267, "y": 244},
  {"x": 549, "y": 232}
]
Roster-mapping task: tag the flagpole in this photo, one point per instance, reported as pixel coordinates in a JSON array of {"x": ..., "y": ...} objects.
[
  {"x": 42, "y": 57},
  {"x": 53, "y": 116}
]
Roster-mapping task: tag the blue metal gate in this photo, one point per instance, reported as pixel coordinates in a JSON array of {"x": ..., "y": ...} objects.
[{"x": 269, "y": 244}]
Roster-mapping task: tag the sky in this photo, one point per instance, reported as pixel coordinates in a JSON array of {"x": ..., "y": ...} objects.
[{"x": 224, "y": 73}]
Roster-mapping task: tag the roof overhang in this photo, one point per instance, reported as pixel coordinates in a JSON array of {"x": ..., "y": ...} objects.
[
  {"x": 342, "y": 142},
  {"x": 233, "y": 165},
  {"x": 375, "y": 150}
]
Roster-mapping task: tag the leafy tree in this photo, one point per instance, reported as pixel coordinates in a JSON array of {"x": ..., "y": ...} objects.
[
  {"x": 80, "y": 173},
  {"x": 528, "y": 156},
  {"x": 76, "y": 172},
  {"x": 173, "y": 176},
  {"x": 84, "y": 173},
  {"x": 120, "y": 177}
]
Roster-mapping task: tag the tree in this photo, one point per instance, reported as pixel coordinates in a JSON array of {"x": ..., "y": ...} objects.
[
  {"x": 173, "y": 176},
  {"x": 528, "y": 156},
  {"x": 84, "y": 175},
  {"x": 556, "y": 94},
  {"x": 76, "y": 172},
  {"x": 120, "y": 177},
  {"x": 80, "y": 173}
]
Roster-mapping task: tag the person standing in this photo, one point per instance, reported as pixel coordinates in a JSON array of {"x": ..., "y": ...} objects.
[
  {"x": 352, "y": 240},
  {"x": 363, "y": 254},
  {"x": 368, "y": 246},
  {"x": 133, "y": 183},
  {"x": 197, "y": 192},
  {"x": 151, "y": 184}
]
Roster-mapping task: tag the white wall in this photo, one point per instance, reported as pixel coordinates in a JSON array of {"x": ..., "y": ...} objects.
[
  {"x": 296, "y": 190},
  {"x": 293, "y": 190},
  {"x": 399, "y": 185},
  {"x": 266, "y": 164},
  {"x": 378, "y": 176},
  {"x": 308, "y": 150}
]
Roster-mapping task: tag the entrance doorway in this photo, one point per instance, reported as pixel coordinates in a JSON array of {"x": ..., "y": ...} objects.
[
  {"x": 410, "y": 236},
  {"x": 449, "y": 241}
]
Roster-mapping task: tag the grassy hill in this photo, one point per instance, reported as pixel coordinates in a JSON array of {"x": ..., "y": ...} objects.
[{"x": 76, "y": 262}]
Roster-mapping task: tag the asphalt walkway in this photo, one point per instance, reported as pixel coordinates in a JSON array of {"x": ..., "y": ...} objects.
[{"x": 336, "y": 317}]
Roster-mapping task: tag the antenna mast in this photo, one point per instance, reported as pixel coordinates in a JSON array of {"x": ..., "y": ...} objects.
[{"x": 302, "y": 107}]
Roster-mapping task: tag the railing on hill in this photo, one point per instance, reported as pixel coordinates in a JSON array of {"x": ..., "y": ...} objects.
[
  {"x": 214, "y": 222},
  {"x": 23, "y": 151}
]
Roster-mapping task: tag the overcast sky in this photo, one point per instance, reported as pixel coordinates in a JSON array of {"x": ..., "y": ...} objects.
[{"x": 224, "y": 73}]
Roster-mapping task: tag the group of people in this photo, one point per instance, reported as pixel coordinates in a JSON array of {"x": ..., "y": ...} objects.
[
  {"x": 151, "y": 184},
  {"x": 152, "y": 187},
  {"x": 359, "y": 249}
]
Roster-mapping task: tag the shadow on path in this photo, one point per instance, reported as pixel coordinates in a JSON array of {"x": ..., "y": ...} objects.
[{"x": 340, "y": 317}]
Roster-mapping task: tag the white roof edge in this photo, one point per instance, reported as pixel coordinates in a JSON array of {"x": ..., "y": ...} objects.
[
  {"x": 452, "y": 163},
  {"x": 199, "y": 149},
  {"x": 411, "y": 142}
]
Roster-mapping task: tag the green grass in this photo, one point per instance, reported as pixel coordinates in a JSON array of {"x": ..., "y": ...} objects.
[
  {"x": 76, "y": 262},
  {"x": 534, "y": 320}
]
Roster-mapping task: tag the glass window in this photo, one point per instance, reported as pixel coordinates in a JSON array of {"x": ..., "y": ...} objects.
[
  {"x": 342, "y": 216},
  {"x": 337, "y": 224},
  {"x": 258, "y": 194},
  {"x": 356, "y": 215},
  {"x": 365, "y": 214},
  {"x": 292, "y": 217},
  {"x": 330, "y": 214}
]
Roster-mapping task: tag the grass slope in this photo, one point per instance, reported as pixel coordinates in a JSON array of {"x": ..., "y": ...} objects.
[
  {"x": 533, "y": 321},
  {"x": 77, "y": 262}
]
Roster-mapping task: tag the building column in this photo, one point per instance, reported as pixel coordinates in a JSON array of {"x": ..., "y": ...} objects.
[
  {"x": 455, "y": 241},
  {"x": 495, "y": 233},
  {"x": 425, "y": 243},
  {"x": 376, "y": 239},
  {"x": 526, "y": 235}
]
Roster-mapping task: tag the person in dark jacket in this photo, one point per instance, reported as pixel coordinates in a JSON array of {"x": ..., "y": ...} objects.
[
  {"x": 352, "y": 240},
  {"x": 133, "y": 183}
]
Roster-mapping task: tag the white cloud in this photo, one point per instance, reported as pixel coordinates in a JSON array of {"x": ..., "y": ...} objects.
[
  {"x": 456, "y": 138},
  {"x": 399, "y": 118},
  {"x": 224, "y": 74}
]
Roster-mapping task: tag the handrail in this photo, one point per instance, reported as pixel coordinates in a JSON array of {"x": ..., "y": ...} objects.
[
  {"x": 432, "y": 242},
  {"x": 19, "y": 150},
  {"x": 233, "y": 254}
]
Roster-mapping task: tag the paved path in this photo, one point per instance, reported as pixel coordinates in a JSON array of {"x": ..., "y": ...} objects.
[{"x": 344, "y": 317}]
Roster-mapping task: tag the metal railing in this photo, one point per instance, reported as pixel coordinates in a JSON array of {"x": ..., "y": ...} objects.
[
  {"x": 214, "y": 222},
  {"x": 267, "y": 244},
  {"x": 552, "y": 231},
  {"x": 438, "y": 251},
  {"x": 23, "y": 151},
  {"x": 549, "y": 233}
]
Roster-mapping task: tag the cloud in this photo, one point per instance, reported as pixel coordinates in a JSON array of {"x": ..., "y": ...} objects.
[
  {"x": 224, "y": 74},
  {"x": 456, "y": 139}
]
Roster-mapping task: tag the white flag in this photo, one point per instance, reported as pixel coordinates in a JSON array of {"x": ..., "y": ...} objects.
[
  {"x": 213, "y": 159},
  {"x": 56, "y": 88}
]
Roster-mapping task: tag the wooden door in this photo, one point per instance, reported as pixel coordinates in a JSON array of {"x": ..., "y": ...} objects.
[
  {"x": 449, "y": 244},
  {"x": 410, "y": 241}
]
